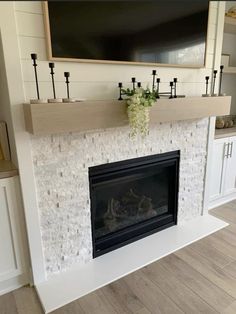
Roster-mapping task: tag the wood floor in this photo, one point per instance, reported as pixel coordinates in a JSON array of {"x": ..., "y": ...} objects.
[{"x": 200, "y": 278}]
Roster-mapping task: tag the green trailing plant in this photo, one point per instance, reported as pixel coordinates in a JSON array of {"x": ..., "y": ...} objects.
[{"x": 139, "y": 102}]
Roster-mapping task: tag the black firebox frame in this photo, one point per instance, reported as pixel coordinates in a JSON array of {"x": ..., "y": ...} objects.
[{"x": 135, "y": 232}]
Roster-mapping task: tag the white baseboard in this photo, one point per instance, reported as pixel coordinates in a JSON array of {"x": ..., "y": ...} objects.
[
  {"x": 221, "y": 201},
  {"x": 13, "y": 283},
  {"x": 83, "y": 279}
]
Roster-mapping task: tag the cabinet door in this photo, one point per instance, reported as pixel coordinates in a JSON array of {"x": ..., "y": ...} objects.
[
  {"x": 11, "y": 241},
  {"x": 218, "y": 165},
  {"x": 230, "y": 172}
]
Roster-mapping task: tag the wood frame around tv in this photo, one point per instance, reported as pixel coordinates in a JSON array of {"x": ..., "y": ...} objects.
[{"x": 52, "y": 58}]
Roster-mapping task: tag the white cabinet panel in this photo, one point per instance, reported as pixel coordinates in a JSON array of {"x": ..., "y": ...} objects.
[
  {"x": 12, "y": 250},
  {"x": 217, "y": 168},
  {"x": 8, "y": 263},
  {"x": 230, "y": 173}
]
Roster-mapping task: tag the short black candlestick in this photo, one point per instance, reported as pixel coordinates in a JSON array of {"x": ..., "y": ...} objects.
[
  {"x": 139, "y": 84},
  {"x": 34, "y": 58},
  {"x": 207, "y": 82},
  {"x": 214, "y": 81},
  {"x": 133, "y": 80},
  {"x": 158, "y": 86},
  {"x": 220, "y": 83},
  {"x": 171, "y": 89},
  {"x": 120, "y": 87},
  {"x": 175, "y": 83},
  {"x": 154, "y": 72},
  {"x": 67, "y": 75},
  {"x": 51, "y": 66}
]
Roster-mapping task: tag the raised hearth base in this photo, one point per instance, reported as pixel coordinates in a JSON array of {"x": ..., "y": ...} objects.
[{"x": 83, "y": 279}]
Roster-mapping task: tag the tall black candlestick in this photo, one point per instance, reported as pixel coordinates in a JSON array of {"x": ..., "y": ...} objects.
[
  {"x": 67, "y": 75},
  {"x": 120, "y": 87},
  {"x": 34, "y": 58},
  {"x": 171, "y": 89},
  {"x": 220, "y": 83},
  {"x": 158, "y": 86},
  {"x": 207, "y": 82},
  {"x": 51, "y": 66},
  {"x": 133, "y": 80},
  {"x": 214, "y": 81},
  {"x": 154, "y": 72},
  {"x": 175, "y": 83}
]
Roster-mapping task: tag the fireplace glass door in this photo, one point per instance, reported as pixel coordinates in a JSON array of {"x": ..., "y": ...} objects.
[{"x": 132, "y": 199}]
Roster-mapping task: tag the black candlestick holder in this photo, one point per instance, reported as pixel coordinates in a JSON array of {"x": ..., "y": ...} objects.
[
  {"x": 207, "y": 84},
  {"x": 51, "y": 66},
  {"x": 38, "y": 100},
  {"x": 213, "y": 84},
  {"x": 54, "y": 99},
  {"x": 120, "y": 85},
  {"x": 154, "y": 72},
  {"x": 175, "y": 83},
  {"x": 68, "y": 99},
  {"x": 171, "y": 89},
  {"x": 220, "y": 82},
  {"x": 34, "y": 58},
  {"x": 133, "y": 80},
  {"x": 139, "y": 84},
  {"x": 158, "y": 87}
]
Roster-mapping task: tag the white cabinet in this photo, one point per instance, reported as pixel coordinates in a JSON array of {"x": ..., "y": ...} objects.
[
  {"x": 230, "y": 168},
  {"x": 223, "y": 171},
  {"x": 13, "y": 269}
]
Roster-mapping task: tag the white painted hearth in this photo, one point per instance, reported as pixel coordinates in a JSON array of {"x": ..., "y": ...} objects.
[{"x": 80, "y": 280}]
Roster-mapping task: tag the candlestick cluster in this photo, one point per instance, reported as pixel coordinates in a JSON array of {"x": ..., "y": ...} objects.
[
  {"x": 172, "y": 93},
  {"x": 54, "y": 99},
  {"x": 213, "y": 83}
]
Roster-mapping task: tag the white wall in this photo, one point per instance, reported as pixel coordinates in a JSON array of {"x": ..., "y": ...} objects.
[
  {"x": 229, "y": 47},
  {"x": 228, "y": 87},
  {"x": 22, "y": 29},
  {"x": 5, "y": 112}
]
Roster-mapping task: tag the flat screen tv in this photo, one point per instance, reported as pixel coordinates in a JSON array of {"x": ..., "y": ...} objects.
[{"x": 140, "y": 32}]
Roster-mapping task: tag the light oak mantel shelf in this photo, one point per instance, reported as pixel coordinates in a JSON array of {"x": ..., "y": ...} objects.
[{"x": 54, "y": 118}]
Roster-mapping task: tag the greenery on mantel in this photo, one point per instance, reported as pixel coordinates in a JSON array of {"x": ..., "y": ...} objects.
[{"x": 139, "y": 102}]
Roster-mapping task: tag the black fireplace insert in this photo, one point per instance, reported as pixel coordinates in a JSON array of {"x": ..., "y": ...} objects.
[{"x": 132, "y": 199}]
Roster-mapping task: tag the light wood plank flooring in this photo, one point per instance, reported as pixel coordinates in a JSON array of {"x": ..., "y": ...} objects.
[{"x": 200, "y": 278}]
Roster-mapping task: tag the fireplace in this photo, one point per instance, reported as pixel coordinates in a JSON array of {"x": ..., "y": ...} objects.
[{"x": 132, "y": 199}]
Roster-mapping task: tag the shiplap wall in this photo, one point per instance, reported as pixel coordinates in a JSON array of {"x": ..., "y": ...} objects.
[{"x": 96, "y": 81}]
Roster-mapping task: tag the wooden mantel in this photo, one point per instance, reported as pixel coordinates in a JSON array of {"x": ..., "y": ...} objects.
[{"x": 51, "y": 118}]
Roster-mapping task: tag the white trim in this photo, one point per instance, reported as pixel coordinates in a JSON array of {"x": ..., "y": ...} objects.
[
  {"x": 211, "y": 131},
  {"x": 13, "y": 283},
  {"x": 83, "y": 279},
  {"x": 16, "y": 97},
  {"x": 222, "y": 200},
  {"x": 210, "y": 142}
]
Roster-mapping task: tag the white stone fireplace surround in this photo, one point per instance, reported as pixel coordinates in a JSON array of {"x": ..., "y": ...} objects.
[{"x": 61, "y": 170}]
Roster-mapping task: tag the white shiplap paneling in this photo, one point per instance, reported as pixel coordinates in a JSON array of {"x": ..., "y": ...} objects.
[
  {"x": 30, "y": 24},
  {"x": 32, "y": 44},
  {"x": 109, "y": 73},
  {"x": 29, "y": 6}
]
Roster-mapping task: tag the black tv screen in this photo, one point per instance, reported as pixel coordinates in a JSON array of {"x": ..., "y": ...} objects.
[{"x": 168, "y": 32}]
